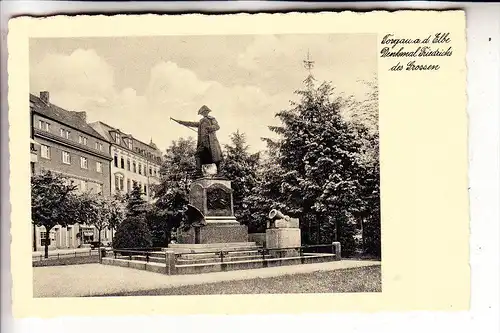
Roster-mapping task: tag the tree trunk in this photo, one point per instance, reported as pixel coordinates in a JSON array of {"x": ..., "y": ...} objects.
[
  {"x": 34, "y": 237},
  {"x": 99, "y": 239},
  {"x": 47, "y": 240}
]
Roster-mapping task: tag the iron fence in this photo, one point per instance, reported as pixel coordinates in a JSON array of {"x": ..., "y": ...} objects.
[{"x": 73, "y": 254}]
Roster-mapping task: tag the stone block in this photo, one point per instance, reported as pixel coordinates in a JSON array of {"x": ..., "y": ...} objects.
[
  {"x": 283, "y": 238},
  {"x": 215, "y": 233},
  {"x": 212, "y": 197}
]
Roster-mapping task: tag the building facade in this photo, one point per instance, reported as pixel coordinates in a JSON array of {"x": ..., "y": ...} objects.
[
  {"x": 63, "y": 142},
  {"x": 133, "y": 161}
]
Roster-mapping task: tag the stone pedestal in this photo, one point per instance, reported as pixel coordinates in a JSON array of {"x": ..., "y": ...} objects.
[
  {"x": 283, "y": 234},
  {"x": 213, "y": 197}
]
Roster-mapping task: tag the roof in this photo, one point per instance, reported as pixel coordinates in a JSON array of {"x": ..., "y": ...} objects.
[
  {"x": 109, "y": 129},
  {"x": 68, "y": 118}
]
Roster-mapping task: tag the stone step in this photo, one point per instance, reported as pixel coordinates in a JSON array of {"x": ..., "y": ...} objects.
[
  {"x": 217, "y": 260},
  {"x": 200, "y": 248},
  {"x": 217, "y": 255}
]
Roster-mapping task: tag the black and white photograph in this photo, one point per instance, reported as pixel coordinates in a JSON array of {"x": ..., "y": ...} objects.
[{"x": 205, "y": 165}]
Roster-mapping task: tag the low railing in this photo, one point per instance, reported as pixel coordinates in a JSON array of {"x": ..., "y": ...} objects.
[
  {"x": 266, "y": 256},
  {"x": 139, "y": 255},
  {"x": 73, "y": 254}
]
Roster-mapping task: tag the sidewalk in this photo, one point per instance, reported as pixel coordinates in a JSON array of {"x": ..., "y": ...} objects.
[{"x": 80, "y": 280}]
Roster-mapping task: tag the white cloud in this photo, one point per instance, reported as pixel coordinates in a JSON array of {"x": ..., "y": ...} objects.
[{"x": 84, "y": 81}]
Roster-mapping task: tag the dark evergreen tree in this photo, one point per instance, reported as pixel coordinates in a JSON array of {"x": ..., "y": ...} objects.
[
  {"x": 241, "y": 168},
  {"x": 318, "y": 156},
  {"x": 136, "y": 206}
]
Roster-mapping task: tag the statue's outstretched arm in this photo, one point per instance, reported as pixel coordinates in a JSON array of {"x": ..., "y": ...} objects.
[{"x": 189, "y": 123}]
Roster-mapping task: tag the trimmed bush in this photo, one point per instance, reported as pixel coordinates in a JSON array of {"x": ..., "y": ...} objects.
[{"x": 133, "y": 232}]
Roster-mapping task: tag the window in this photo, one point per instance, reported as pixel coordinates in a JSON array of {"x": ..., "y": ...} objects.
[
  {"x": 84, "y": 163},
  {"x": 66, "y": 158},
  {"x": 128, "y": 164},
  {"x": 98, "y": 166},
  {"x": 122, "y": 163},
  {"x": 150, "y": 171},
  {"x": 128, "y": 186},
  {"x": 117, "y": 138},
  {"x": 134, "y": 183},
  {"x": 82, "y": 140},
  {"x": 134, "y": 167},
  {"x": 118, "y": 182},
  {"x": 116, "y": 161},
  {"x": 145, "y": 189},
  {"x": 99, "y": 189},
  {"x": 64, "y": 133},
  {"x": 140, "y": 168},
  {"x": 98, "y": 146},
  {"x": 43, "y": 125},
  {"x": 45, "y": 151},
  {"x": 129, "y": 144},
  {"x": 83, "y": 185}
]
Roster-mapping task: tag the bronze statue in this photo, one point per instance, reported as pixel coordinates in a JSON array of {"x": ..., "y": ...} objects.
[{"x": 208, "y": 149}]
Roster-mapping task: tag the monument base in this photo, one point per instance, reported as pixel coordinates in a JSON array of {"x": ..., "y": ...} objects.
[
  {"x": 283, "y": 238},
  {"x": 215, "y": 233}
]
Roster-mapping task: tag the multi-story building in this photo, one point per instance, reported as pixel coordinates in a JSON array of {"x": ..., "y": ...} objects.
[
  {"x": 133, "y": 161},
  {"x": 63, "y": 142}
]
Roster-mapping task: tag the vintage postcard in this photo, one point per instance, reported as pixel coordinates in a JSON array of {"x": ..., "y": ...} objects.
[{"x": 250, "y": 163}]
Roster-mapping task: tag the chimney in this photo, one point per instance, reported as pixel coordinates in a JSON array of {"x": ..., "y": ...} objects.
[
  {"x": 44, "y": 96},
  {"x": 82, "y": 115}
]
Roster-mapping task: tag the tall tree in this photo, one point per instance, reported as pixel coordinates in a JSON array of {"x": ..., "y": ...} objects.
[
  {"x": 319, "y": 161},
  {"x": 136, "y": 206},
  {"x": 172, "y": 193},
  {"x": 52, "y": 197},
  {"x": 241, "y": 168}
]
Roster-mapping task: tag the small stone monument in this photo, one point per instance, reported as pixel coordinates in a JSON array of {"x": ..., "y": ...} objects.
[
  {"x": 282, "y": 232},
  {"x": 212, "y": 198}
]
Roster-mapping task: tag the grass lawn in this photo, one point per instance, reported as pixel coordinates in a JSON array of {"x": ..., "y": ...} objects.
[{"x": 363, "y": 279}]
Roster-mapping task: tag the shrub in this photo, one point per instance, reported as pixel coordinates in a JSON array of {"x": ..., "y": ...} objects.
[{"x": 133, "y": 232}]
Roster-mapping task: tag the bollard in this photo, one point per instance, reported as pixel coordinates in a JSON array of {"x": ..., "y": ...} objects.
[
  {"x": 170, "y": 262},
  {"x": 337, "y": 250}
]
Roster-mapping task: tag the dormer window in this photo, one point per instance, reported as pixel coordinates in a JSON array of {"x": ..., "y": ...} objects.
[{"x": 129, "y": 144}]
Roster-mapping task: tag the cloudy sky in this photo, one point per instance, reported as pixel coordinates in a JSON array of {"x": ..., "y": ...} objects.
[{"x": 137, "y": 83}]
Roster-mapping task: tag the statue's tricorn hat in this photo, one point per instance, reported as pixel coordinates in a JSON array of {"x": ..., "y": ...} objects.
[{"x": 204, "y": 109}]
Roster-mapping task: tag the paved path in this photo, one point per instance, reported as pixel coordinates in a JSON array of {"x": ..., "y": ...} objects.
[{"x": 97, "y": 279}]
